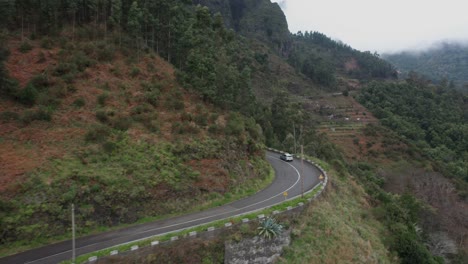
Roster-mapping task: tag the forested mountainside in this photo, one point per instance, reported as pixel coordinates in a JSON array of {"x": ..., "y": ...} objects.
[
  {"x": 433, "y": 117},
  {"x": 253, "y": 18},
  {"x": 113, "y": 105},
  {"x": 445, "y": 61},
  {"x": 313, "y": 54}
]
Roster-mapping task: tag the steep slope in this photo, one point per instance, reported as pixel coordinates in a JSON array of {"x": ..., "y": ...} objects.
[
  {"x": 443, "y": 61},
  {"x": 108, "y": 132}
]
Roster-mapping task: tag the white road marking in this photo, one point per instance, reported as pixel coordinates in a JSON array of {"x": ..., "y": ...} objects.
[{"x": 194, "y": 220}]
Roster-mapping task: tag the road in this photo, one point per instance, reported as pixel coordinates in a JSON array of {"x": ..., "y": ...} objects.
[{"x": 288, "y": 179}]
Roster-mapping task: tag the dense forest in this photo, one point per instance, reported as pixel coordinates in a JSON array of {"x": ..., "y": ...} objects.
[
  {"x": 321, "y": 58},
  {"x": 210, "y": 58},
  {"x": 443, "y": 61},
  {"x": 434, "y": 118},
  {"x": 216, "y": 55}
]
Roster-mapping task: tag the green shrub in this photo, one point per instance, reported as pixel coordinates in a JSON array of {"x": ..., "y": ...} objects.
[
  {"x": 105, "y": 52},
  {"x": 122, "y": 123},
  {"x": 213, "y": 117},
  {"x": 82, "y": 61},
  {"x": 175, "y": 101},
  {"x": 39, "y": 114},
  {"x": 101, "y": 115},
  {"x": 184, "y": 128},
  {"x": 152, "y": 125},
  {"x": 9, "y": 116},
  {"x": 40, "y": 82},
  {"x": 48, "y": 100},
  {"x": 64, "y": 68},
  {"x": 101, "y": 99},
  {"x": 135, "y": 71},
  {"x": 68, "y": 78},
  {"x": 116, "y": 71},
  {"x": 98, "y": 134},
  {"x": 79, "y": 102},
  {"x": 186, "y": 117},
  {"x": 214, "y": 129},
  {"x": 109, "y": 146},
  {"x": 152, "y": 98},
  {"x": 201, "y": 120},
  {"x": 235, "y": 125},
  {"x": 153, "y": 86},
  {"x": 46, "y": 43},
  {"x": 25, "y": 46},
  {"x": 28, "y": 95},
  {"x": 140, "y": 109},
  {"x": 41, "y": 58}
]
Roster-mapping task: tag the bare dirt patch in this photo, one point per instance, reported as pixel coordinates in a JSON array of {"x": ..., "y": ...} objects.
[{"x": 212, "y": 176}]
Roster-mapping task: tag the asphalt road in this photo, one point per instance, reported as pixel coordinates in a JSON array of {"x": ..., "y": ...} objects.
[{"x": 288, "y": 179}]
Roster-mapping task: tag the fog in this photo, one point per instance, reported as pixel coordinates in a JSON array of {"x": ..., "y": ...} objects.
[{"x": 382, "y": 26}]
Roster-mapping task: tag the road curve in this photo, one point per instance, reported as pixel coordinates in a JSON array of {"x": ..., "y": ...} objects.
[{"x": 288, "y": 179}]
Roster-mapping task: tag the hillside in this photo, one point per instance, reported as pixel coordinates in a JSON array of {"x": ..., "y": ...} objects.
[
  {"x": 443, "y": 61},
  {"x": 138, "y": 110},
  {"x": 327, "y": 64},
  {"x": 94, "y": 127}
]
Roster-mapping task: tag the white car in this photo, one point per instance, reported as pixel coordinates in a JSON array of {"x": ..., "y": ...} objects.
[{"x": 286, "y": 157}]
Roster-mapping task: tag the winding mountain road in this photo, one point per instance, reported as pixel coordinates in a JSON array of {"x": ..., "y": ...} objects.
[{"x": 288, "y": 179}]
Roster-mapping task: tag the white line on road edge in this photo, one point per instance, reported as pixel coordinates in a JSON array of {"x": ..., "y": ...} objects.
[{"x": 198, "y": 219}]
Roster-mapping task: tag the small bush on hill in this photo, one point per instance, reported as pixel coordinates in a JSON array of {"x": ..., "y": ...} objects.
[
  {"x": 135, "y": 71},
  {"x": 25, "y": 46},
  {"x": 152, "y": 98},
  {"x": 82, "y": 61},
  {"x": 101, "y": 99},
  {"x": 201, "y": 120},
  {"x": 109, "y": 146},
  {"x": 32, "y": 115},
  {"x": 235, "y": 125},
  {"x": 40, "y": 82},
  {"x": 122, "y": 123},
  {"x": 105, "y": 52},
  {"x": 46, "y": 43},
  {"x": 175, "y": 101},
  {"x": 184, "y": 128},
  {"x": 152, "y": 125},
  {"x": 9, "y": 116},
  {"x": 48, "y": 100},
  {"x": 98, "y": 134},
  {"x": 101, "y": 115},
  {"x": 64, "y": 68},
  {"x": 28, "y": 95},
  {"x": 186, "y": 117},
  {"x": 214, "y": 129},
  {"x": 80, "y": 102}
]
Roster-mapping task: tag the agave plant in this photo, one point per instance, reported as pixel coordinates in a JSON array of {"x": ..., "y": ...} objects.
[{"x": 269, "y": 228}]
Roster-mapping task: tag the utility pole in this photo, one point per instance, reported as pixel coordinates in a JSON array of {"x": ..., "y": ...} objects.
[
  {"x": 73, "y": 234},
  {"x": 302, "y": 171},
  {"x": 294, "y": 131}
]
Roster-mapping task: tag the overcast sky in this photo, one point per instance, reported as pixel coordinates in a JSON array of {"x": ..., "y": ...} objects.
[{"x": 381, "y": 25}]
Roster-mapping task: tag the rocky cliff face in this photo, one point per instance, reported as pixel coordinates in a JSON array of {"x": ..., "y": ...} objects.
[{"x": 256, "y": 250}]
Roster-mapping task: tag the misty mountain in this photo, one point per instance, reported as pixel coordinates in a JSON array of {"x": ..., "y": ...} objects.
[{"x": 444, "y": 61}]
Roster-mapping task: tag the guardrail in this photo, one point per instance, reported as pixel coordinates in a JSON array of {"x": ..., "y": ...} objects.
[{"x": 210, "y": 230}]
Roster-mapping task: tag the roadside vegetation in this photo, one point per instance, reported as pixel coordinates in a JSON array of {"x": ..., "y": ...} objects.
[{"x": 138, "y": 113}]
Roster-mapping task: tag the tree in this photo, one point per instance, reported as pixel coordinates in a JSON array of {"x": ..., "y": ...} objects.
[{"x": 134, "y": 25}]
